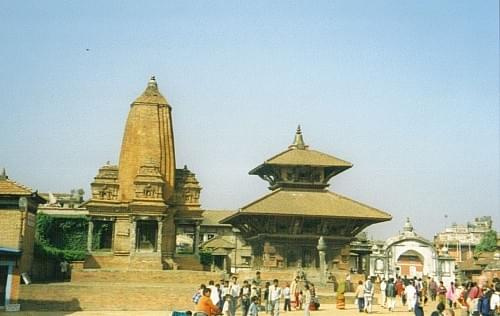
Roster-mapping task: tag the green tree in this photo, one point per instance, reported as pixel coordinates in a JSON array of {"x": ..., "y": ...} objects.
[{"x": 488, "y": 242}]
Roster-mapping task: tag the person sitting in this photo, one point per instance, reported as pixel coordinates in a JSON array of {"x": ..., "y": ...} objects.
[{"x": 205, "y": 305}]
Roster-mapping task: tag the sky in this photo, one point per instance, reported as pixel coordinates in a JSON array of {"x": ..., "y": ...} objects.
[{"x": 407, "y": 91}]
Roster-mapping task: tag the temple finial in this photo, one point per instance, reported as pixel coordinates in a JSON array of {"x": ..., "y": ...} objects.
[
  {"x": 3, "y": 176},
  {"x": 152, "y": 82},
  {"x": 298, "y": 141}
]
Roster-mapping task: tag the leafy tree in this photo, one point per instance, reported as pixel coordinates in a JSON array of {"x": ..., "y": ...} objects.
[{"x": 488, "y": 242}]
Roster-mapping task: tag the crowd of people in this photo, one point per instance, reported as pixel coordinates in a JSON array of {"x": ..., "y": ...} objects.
[
  {"x": 471, "y": 298},
  {"x": 254, "y": 296}
]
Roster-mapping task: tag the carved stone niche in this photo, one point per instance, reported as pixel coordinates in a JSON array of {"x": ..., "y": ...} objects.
[
  {"x": 149, "y": 183},
  {"x": 187, "y": 188},
  {"x": 105, "y": 185}
]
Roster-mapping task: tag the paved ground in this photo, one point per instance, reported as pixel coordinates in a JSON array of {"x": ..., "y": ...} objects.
[{"x": 325, "y": 310}]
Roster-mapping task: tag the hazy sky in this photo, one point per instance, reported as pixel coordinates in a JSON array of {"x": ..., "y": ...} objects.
[{"x": 408, "y": 91}]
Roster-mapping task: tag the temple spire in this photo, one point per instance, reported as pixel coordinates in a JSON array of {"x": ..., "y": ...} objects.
[
  {"x": 151, "y": 94},
  {"x": 298, "y": 141}
]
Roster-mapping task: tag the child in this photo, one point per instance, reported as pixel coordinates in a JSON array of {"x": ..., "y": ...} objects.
[
  {"x": 286, "y": 296},
  {"x": 301, "y": 299},
  {"x": 253, "y": 310},
  {"x": 226, "y": 310}
]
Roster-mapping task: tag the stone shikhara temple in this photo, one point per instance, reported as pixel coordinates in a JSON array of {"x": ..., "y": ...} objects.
[
  {"x": 136, "y": 206},
  {"x": 139, "y": 207}
]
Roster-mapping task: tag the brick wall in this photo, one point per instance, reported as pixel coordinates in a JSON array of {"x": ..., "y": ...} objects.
[{"x": 10, "y": 227}]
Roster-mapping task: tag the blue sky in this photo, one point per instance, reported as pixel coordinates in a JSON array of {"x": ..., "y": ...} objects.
[{"x": 408, "y": 91}]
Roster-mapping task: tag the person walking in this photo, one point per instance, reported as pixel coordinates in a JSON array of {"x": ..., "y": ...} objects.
[
  {"x": 383, "y": 287},
  {"x": 245, "y": 297},
  {"x": 274, "y": 298},
  {"x": 307, "y": 300},
  {"x": 441, "y": 291},
  {"x": 368, "y": 295},
  {"x": 359, "y": 296},
  {"x": 390, "y": 292},
  {"x": 411, "y": 296}
]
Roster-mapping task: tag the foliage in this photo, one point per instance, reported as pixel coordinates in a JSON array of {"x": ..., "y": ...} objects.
[
  {"x": 61, "y": 238},
  {"x": 206, "y": 258},
  {"x": 488, "y": 242}
]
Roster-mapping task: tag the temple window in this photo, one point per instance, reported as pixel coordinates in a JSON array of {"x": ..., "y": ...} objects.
[
  {"x": 102, "y": 236},
  {"x": 146, "y": 236}
]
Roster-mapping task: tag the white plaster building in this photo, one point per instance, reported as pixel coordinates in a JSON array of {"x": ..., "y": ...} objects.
[{"x": 412, "y": 255}]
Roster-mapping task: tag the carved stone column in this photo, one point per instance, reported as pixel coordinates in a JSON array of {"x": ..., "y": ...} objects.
[
  {"x": 160, "y": 234},
  {"x": 133, "y": 232},
  {"x": 90, "y": 235},
  {"x": 196, "y": 241},
  {"x": 322, "y": 262}
]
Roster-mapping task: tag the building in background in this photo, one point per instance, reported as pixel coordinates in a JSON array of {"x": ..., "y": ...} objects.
[
  {"x": 409, "y": 254},
  {"x": 461, "y": 240},
  {"x": 18, "y": 207}
]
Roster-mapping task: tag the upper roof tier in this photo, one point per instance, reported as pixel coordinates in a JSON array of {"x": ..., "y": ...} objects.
[
  {"x": 151, "y": 94},
  {"x": 299, "y": 166}
]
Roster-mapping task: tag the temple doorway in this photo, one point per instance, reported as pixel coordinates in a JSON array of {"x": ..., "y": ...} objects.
[
  {"x": 3, "y": 284},
  {"x": 411, "y": 264},
  {"x": 147, "y": 232}
]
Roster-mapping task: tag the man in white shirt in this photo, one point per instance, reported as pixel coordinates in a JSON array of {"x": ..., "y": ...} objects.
[
  {"x": 274, "y": 298},
  {"x": 234, "y": 291},
  {"x": 383, "y": 286},
  {"x": 214, "y": 294},
  {"x": 411, "y": 296}
]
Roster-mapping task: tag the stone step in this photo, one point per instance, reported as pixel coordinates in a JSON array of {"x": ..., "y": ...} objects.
[
  {"x": 188, "y": 263},
  {"x": 142, "y": 276},
  {"x": 114, "y": 296}
]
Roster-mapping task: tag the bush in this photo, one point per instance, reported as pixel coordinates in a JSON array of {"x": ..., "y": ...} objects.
[{"x": 61, "y": 238}]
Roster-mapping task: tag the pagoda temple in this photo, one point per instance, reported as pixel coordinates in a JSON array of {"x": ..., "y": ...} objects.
[
  {"x": 139, "y": 206},
  {"x": 284, "y": 227}
]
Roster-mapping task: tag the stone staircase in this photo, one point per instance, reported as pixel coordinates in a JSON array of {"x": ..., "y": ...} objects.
[
  {"x": 100, "y": 289},
  {"x": 188, "y": 262}
]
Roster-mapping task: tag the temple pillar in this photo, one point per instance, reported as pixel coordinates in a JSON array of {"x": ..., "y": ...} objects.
[
  {"x": 196, "y": 240},
  {"x": 90, "y": 236},
  {"x": 159, "y": 235},
  {"x": 322, "y": 262},
  {"x": 133, "y": 233}
]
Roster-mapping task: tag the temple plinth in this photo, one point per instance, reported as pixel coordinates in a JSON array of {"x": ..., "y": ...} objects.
[{"x": 285, "y": 225}]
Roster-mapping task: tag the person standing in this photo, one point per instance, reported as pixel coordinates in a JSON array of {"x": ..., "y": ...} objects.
[
  {"x": 390, "y": 292},
  {"x": 64, "y": 265},
  {"x": 450, "y": 295},
  {"x": 287, "y": 297},
  {"x": 400, "y": 290},
  {"x": 433, "y": 289},
  {"x": 245, "y": 297},
  {"x": 411, "y": 296},
  {"x": 294, "y": 291},
  {"x": 368, "y": 295},
  {"x": 383, "y": 287},
  {"x": 214, "y": 292},
  {"x": 234, "y": 291},
  {"x": 254, "y": 307},
  {"x": 274, "y": 298},
  {"x": 359, "y": 295},
  {"x": 441, "y": 291},
  {"x": 341, "y": 295},
  {"x": 307, "y": 300}
]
